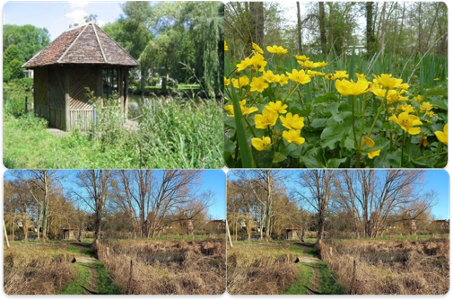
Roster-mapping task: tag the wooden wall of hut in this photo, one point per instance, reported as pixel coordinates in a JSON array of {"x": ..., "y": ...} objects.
[
  {"x": 40, "y": 91},
  {"x": 80, "y": 110},
  {"x": 56, "y": 84}
]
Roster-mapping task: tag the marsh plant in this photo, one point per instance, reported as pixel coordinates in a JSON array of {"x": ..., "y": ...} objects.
[{"x": 286, "y": 110}]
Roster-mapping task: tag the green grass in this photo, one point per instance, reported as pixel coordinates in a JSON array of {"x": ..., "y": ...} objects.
[
  {"x": 327, "y": 283},
  {"x": 173, "y": 134},
  {"x": 104, "y": 282},
  {"x": 81, "y": 280},
  {"x": 301, "y": 286}
]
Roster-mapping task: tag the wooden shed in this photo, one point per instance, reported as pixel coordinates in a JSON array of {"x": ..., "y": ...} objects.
[
  {"x": 68, "y": 233},
  {"x": 79, "y": 59},
  {"x": 292, "y": 233}
]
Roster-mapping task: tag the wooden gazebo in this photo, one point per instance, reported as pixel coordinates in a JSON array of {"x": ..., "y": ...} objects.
[{"x": 81, "y": 59}]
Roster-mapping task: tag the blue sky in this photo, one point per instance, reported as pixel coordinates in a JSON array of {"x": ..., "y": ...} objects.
[
  {"x": 57, "y": 16},
  {"x": 214, "y": 180},
  {"x": 437, "y": 180}
]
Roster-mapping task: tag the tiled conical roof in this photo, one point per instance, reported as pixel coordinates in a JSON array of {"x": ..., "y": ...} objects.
[{"x": 87, "y": 44}]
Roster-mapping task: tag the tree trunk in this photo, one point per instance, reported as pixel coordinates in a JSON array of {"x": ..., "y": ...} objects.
[
  {"x": 257, "y": 22},
  {"x": 370, "y": 39},
  {"x": 25, "y": 226},
  {"x": 299, "y": 29},
  {"x": 322, "y": 27},
  {"x": 383, "y": 32}
]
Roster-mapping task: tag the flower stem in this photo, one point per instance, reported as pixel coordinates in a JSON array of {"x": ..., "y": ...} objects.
[
  {"x": 290, "y": 93},
  {"x": 378, "y": 114},
  {"x": 402, "y": 148}
]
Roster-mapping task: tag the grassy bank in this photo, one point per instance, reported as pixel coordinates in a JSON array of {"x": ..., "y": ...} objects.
[{"x": 171, "y": 134}]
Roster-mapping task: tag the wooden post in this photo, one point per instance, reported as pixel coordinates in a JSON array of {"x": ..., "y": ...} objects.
[
  {"x": 228, "y": 233},
  {"x": 26, "y": 104},
  {"x": 126, "y": 91},
  {"x": 6, "y": 234},
  {"x": 66, "y": 99}
]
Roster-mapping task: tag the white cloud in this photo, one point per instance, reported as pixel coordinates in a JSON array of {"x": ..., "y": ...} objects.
[
  {"x": 76, "y": 16},
  {"x": 78, "y": 4}
]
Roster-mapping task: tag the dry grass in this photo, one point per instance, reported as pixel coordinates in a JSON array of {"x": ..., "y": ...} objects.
[
  {"x": 260, "y": 270},
  {"x": 36, "y": 270},
  {"x": 167, "y": 267},
  {"x": 391, "y": 267}
]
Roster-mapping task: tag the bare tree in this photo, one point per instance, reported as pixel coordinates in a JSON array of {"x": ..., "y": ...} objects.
[
  {"x": 94, "y": 189},
  {"x": 372, "y": 197},
  {"x": 314, "y": 191}
]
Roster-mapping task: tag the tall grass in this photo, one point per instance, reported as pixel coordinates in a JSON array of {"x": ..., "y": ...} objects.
[
  {"x": 167, "y": 267},
  {"x": 391, "y": 267},
  {"x": 173, "y": 134}
]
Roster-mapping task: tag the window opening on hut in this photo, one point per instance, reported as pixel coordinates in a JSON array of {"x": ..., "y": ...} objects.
[{"x": 110, "y": 82}]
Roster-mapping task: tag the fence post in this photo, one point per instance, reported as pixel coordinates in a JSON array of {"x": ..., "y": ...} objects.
[
  {"x": 352, "y": 289},
  {"x": 129, "y": 283},
  {"x": 26, "y": 104}
]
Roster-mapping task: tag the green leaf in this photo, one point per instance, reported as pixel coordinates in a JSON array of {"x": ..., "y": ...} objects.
[
  {"x": 314, "y": 158},
  {"x": 336, "y": 127},
  {"x": 327, "y": 97},
  {"x": 335, "y": 162},
  {"x": 318, "y": 123},
  {"x": 244, "y": 147},
  {"x": 278, "y": 157}
]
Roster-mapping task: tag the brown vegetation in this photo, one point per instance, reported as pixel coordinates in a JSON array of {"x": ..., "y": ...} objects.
[
  {"x": 32, "y": 270},
  {"x": 390, "y": 267},
  {"x": 167, "y": 267},
  {"x": 262, "y": 270}
]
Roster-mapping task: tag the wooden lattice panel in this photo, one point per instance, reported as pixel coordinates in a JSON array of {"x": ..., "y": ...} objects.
[{"x": 80, "y": 78}]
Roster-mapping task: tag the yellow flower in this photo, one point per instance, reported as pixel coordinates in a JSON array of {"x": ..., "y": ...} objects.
[
  {"x": 368, "y": 141},
  {"x": 293, "y": 136},
  {"x": 363, "y": 76},
  {"x": 226, "y": 81},
  {"x": 406, "y": 107},
  {"x": 259, "y": 62},
  {"x": 347, "y": 88},
  {"x": 310, "y": 72},
  {"x": 244, "y": 64},
  {"x": 301, "y": 57},
  {"x": 241, "y": 82},
  {"x": 425, "y": 107},
  {"x": 245, "y": 110},
  {"x": 322, "y": 64},
  {"x": 340, "y": 75},
  {"x": 277, "y": 50},
  {"x": 261, "y": 144},
  {"x": 257, "y": 48},
  {"x": 282, "y": 79},
  {"x": 386, "y": 80},
  {"x": 277, "y": 107},
  {"x": 407, "y": 122},
  {"x": 258, "y": 84},
  {"x": 308, "y": 64},
  {"x": 442, "y": 136},
  {"x": 269, "y": 76},
  {"x": 419, "y": 98},
  {"x": 329, "y": 76},
  {"x": 225, "y": 46},
  {"x": 299, "y": 76},
  {"x": 436, "y": 79},
  {"x": 292, "y": 122},
  {"x": 267, "y": 118},
  {"x": 381, "y": 93},
  {"x": 373, "y": 154}
]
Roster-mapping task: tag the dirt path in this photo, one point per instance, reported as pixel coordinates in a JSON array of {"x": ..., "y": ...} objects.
[
  {"x": 92, "y": 278},
  {"x": 314, "y": 277}
]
